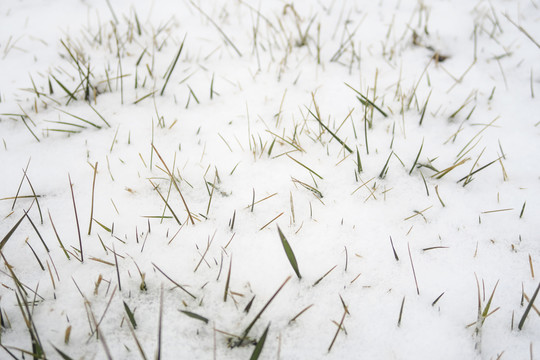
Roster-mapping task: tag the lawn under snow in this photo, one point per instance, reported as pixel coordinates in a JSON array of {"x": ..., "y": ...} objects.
[{"x": 149, "y": 152}]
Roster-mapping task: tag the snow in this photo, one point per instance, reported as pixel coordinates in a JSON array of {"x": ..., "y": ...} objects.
[{"x": 237, "y": 126}]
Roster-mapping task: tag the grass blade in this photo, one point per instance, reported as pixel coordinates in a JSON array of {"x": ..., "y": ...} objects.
[
  {"x": 195, "y": 316},
  {"x": 522, "y": 321},
  {"x": 260, "y": 344},
  {"x": 289, "y": 252}
]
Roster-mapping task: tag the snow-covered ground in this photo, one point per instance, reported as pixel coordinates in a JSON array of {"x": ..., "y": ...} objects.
[{"x": 150, "y": 150}]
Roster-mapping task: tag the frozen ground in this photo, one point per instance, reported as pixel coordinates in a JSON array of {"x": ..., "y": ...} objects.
[{"x": 149, "y": 152}]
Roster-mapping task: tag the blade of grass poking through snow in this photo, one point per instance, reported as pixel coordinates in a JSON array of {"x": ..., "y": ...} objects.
[
  {"x": 364, "y": 100},
  {"x": 80, "y": 118},
  {"x": 358, "y": 161},
  {"x": 36, "y": 230},
  {"x": 62, "y": 354},
  {"x": 76, "y": 217},
  {"x": 228, "y": 281},
  {"x": 330, "y": 131},
  {"x": 246, "y": 332},
  {"x": 195, "y": 316},
  {"x": 173, "y": 66},
  {"x": 171, "y": 175},
  {"x": 304, "y": 166},
  {"x": 71, "y": 96},
  {"x": 417, "y": 157},
  {"x": 289, "y": 252},
  {"x": 57, "y": 236},
  {"x": 101, "y": 117},
  {"x": 384, "y": 170},
  {"x": 26, "y": 312},
  {"x": 174, "y": 282},
  {"x": 92, "y": 200},
  {"x": 130, "y": 315},
  {"x": 529, "y": 306},
  {"x": 10, "y": 232},
  {"x": 166, "y": 202},
  {"x": 258, "y": 348}
]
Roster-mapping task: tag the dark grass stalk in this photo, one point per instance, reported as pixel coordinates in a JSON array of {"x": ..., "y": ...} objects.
[
  {"x": 437, "y": 299},
  {"x": 35, "y": 255},
  {"x": 171, "y": 175},
  {"x": 160, "y": 324},
  {"x": 424, "y": 109},
  {"x": 28, "y": 127},
  {"x": 271, "y": 221},
  {"x": 204, "y": 254},
  {"x": 474, "y": 172},
  {"x": 414, "y": 272},
  {"x": 340, "y": 327},
  {"x": 439, "y": 196},
  {"x": 117, "y": 269},
  {"x": 195, "y": 316},
  {"x": 166, "y": 202},
  {"x": 36, "y": 230},
  {"x": 76, "y": 218},
  {"x": 80, "y": 118},
  {"x": 20, "y": 294},
  {"x": 99, "y": 333},
  {"x": 330, "y": 131},
  {"x": 358, "y": 161},
  {"x": 401, "y": 312},
  {"x": 173, "y": 65},
  {"x": 71, "y": 96},
  {"x": 100, "y": 116},
  {"x": 528, "y": 309},
  {"x": 384, "y": 170},
  {"x": 289, "y": 252},
  {"x": 228, "y": 281},
  {"x": 394, "y": 249},
  {"x": 248, "y": 306},
  {"x": 144, "y": 97},
  {"x": 364, "y": 100},
  {"x": 246, "y": 331},
  {"x": 10, "y": 232},
  {"x": 137, "y": 342},
  {"x": 62, "y": 354},
  {"x": 417, "y": 157},
  {"x": 20, "y": 185},
  {"x": 35, "y": 196},
  {"x": 57, "y": 236},
  {"x": 325, "y": 275},
  {"x": 92, "y": 200},
  {"x": 300, "y": 313},
  {"x": 304, "y": 166},
  {"x": 174, "y": 282}
]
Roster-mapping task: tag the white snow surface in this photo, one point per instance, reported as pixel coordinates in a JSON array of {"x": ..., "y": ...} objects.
[{"x": 230, "y": 132}]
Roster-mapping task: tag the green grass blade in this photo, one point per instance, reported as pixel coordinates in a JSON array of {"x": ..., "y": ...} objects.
[
  {"x": 289, "y": 252},
  {"x": 130, "y": 315},
  {"x": 258, "y": 349},
  {"x": 522, "y": 321},
  {"x": 8, "y": 235},
  {"x": 195, "y": 316},
  {"x": 173, "y": 66}
]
